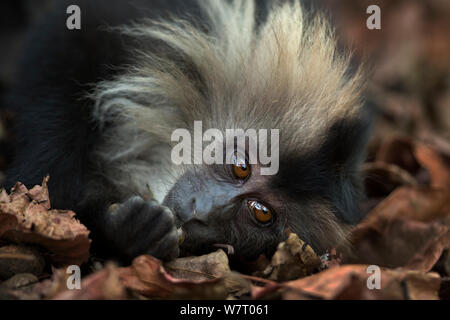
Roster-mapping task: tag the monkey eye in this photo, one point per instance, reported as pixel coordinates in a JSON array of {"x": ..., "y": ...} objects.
[
  {"x": 261, "y": 213},
  {"x": 240, "y": 167}
]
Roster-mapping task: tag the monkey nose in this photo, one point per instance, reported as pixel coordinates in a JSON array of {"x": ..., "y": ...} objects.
[
  {"x": 185, "y": 210},
  {"x": 194, "y": 208}
]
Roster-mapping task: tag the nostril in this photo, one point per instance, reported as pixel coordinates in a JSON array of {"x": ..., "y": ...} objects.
[
  {"x": 194, "y": 206},
  {"x": 187, "y": 209}
]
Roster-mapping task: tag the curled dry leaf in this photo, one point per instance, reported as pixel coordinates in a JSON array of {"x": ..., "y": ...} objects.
[
  {"x": 437, "y": 166},
  {"x": 439, "y": 143},
  {"x": 408, "y": 229},
  {"x": 425, "y": 162},
  {"x": 18, "y": 281},
  {"x": 25, "y": 217},
  {"x": 400, "y": 152},
  {"x": 409, "y": 203},
  {"x": 41, "y": 290},
  {"x": 18, "y": 286},
  {"x": 102, "y": 285},
  {"x": 148, "y": 277},
  {"x": 207, "y": 267},
  {"x": 293, "y": 259},
  {"x": 351, "y": 282},
  {"x": 15, "y": 260},
  {"x": 382, "y": 178}
]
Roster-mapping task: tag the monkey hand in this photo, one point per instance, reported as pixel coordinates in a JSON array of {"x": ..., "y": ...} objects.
[{"x": 139, "y": 226}]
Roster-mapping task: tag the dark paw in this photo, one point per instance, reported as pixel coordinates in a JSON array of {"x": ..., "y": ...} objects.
[{"x": 140, "y": 226}]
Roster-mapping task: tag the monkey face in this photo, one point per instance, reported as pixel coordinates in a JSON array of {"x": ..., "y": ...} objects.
[
  {"x": 227, "y": 204},
  {"x": 313, "y": 194}
]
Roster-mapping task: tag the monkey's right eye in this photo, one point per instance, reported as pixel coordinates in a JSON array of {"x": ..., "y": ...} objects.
[
  {"x": 261, "y": 213},
  {"x": 240, "y": 167}
]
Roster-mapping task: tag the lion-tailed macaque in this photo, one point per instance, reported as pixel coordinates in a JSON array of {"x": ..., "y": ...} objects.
[{"x": 97, "y": 108}]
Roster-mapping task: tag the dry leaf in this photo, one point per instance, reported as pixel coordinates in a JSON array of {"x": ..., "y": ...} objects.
[
  {"x": 350, "y": 282},
  {"x": 102, "y": 285},
  {"x": 416, "y": 157},
  {"x": 15, "y": 260},
  {"x": 25, "y": 217},
  {"x": 293, "y": 259},
  {"x": 438, "y": 168},
  {"x": 382, "y": 178},
  {"x": 211, "y": 266},
  {"x": 207, "y": 267},
  {"x": 409, "y": 229},
  {"x": 19, "y": 281},
  {"x": 148, "y": 277}
]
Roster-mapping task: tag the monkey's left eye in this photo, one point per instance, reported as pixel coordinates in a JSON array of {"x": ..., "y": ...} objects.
[
  {"x": 240, "y": 167},
  {"x": 261, "y": 213}
]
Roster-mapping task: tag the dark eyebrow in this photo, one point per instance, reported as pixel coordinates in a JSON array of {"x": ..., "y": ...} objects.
[{"x": 317, "y": 172}]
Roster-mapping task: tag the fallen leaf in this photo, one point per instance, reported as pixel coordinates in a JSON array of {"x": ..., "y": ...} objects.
[
  {"x": 400, "y": 152},
  {"x": 45, "y": 289},
  {"x": 410, "y": 203},
  {"x": 148, "y": 277},
  {"x": 415, "y": 157},
  {"x": 382, "y": 178},
  {"x": 207, "y": 267},
  {"x": 102, "y": 285},
  {"x": 293, "y": 259},
  {"x": 351, "y": 282},
  {"x": 409, "y": 229},
  {"x": 25, "y": 217},
  {"x": 438, "y": 168},
  {"x": 19, "y": 281},
  {"x": 15, "y": 260}
]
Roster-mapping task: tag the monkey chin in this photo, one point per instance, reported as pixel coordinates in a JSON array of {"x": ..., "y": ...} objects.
[{"x": 198, "y": 238}]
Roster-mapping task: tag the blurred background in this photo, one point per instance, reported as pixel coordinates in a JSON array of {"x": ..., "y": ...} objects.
[{"x": 408, "y": 60}]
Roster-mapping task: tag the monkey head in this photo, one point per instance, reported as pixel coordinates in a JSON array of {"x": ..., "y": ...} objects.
[
  {"x": 283, "y": 72},
  {"x": 314, "y": 194}
]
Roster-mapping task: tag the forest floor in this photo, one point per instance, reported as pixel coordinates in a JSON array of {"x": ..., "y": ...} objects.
[{"x": 405, "y": 234}]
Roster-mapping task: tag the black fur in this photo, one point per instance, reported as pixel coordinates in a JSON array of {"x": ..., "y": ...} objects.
[
  {"x": 54, "y": 130},
  {"x": 332, "y": 171}
]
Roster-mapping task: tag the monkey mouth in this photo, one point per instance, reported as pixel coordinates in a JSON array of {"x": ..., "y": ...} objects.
[
  {"x": 192, "y": 246},
  {"x": 188, "y": 246},
  {"x": 229, "y": 249}
]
